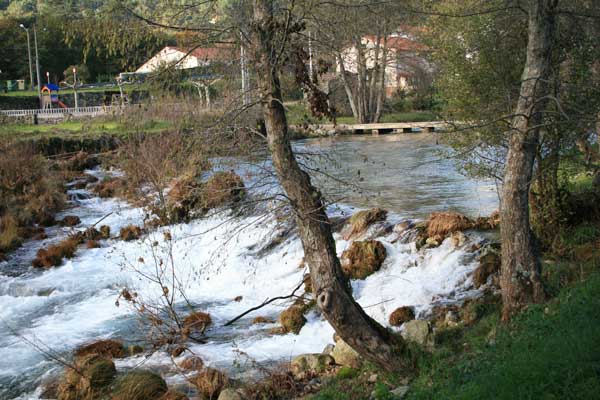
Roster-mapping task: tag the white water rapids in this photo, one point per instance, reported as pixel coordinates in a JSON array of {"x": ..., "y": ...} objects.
[{"x": 61, "y": 308}]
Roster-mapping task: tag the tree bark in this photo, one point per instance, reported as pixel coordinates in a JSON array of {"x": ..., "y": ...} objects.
[
  {"x": 520, "y": 274},
  {"x": 354, "y": 326}
]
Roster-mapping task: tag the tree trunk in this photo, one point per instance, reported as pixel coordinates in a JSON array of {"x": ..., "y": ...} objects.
[
  {"x": 520, "y": 275},
  {"x": 348, "y": 319},
  {"x": 347, "y": 87}
]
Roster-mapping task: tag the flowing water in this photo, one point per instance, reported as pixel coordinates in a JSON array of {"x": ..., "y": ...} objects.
[{"x": 53, "y": 311}]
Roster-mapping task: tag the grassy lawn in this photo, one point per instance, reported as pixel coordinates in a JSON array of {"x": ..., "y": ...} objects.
[
  {"x": 79, "y": 129},
  {"x": 30, "y": 93},
  {"x": 298, "y": 114}
]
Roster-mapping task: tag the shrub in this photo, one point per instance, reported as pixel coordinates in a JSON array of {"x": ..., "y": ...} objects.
[
  {"x": 90, "y": 380},
  {"x": 221, "y": 189},
  {"x": 106, "y": 348}
]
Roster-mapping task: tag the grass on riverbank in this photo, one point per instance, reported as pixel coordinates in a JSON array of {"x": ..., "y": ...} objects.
[
  {"x": 298, "y": 114},
  {"x": 80, "y": 128},
  {"x": 550, "y": 351}
]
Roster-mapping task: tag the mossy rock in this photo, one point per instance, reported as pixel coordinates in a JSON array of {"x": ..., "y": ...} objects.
[
  {"x": 363, "y": 258},
  {"x": 360, "y": 221},
  {"x": 292, "y": 319},
  {"x": 489, "y": 264},
  {"x": 401, "y": 315},
  {"x": 139, "y": 385},
  {"x": 441, "y": 224}
]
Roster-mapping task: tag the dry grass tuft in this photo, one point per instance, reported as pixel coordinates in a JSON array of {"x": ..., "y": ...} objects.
[
  {"x": 191, "y": 364},
  {"x": 363, "y": 258},
  {"x": 210, "y": 382},
  {"x": 360, "y": 221},
  {"x": 221, "y": 189},
  {"x": 292, "y": 318},
  {"x": 53, "y": 255},
  {"x": 106, "y": 348},
  {"x": 444, "y": 223},
  {"x": 130, "y": 232},
  {"x": 401, "y": 315},
  {"x": 139, "y": 385},
  {"x": 196, "y": 322}
]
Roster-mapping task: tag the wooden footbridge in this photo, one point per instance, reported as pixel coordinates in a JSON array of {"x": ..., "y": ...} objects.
[{"x": 375, "y": 129}]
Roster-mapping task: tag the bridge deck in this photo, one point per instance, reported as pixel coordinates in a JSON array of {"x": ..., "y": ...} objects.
[{"x": 430, "y": 126}]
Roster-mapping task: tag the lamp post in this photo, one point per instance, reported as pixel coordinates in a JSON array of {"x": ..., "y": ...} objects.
[
  {"x": 29, "y": 53},
  {"x": 37, "y": 65},
  {"x": 75, "y": 87}
]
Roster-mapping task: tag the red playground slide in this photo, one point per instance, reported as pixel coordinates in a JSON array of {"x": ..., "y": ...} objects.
[{"x": 61, "y": 104}]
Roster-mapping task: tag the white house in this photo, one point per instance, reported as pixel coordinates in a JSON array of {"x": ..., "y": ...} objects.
[
  {"x": 402, "y": 64},
  {"x": 183, "y": 59}
]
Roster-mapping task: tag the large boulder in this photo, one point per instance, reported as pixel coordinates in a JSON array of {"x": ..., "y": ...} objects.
[
  {"x": 489, "y": 264},
  {"x": 345, "y": 355},
  {"x": 360, "y": 222},
  {"x": 442, "y": 224},
  {"x": 418, "y": 331},
  {"x": 139, "y": 385},
  {"x": 210, "y": 382},
  {"x": 196, "y": 322},
  {"x": 231, "y": 394},
  {"x": 401, "y": 315},
  {"x": 105, "y": 348},
  {"x": 292, "y": 319},
  {"x": 306, "y": 364},
  {"x": 363, "y": 258}
]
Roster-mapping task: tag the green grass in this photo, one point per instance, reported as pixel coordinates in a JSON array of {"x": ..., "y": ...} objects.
[
  {"x": 298, "y": 114},
  {"x": 34, "y": 93},
  {"x": 550, "y": 351},
  {"x": 79, "y": 129}
]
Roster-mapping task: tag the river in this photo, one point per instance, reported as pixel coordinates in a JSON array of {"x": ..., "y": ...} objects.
[{"x": 55, "y": 310}]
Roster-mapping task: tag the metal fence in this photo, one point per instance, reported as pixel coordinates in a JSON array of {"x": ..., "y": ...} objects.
[{"x": 51, "y": 113}]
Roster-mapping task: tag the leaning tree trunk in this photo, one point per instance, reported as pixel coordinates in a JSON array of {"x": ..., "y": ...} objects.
[
  {"x": 520, "y": 274},
  {"x": 354, "y": 326}
]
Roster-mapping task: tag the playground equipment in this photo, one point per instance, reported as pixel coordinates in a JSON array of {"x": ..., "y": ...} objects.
[{"x": 50, "y": 96}]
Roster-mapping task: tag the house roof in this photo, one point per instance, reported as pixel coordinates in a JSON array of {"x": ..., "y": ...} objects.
[
  {"x": 399, "y": 43},
  {"x": 205, "y": 53}
]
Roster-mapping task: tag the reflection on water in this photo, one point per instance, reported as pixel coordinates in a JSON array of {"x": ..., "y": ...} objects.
[{"x": 404, "y": 173}]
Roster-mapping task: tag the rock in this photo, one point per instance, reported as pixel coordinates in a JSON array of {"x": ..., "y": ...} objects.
[
  {"x": 134, "y": 349},
  {"x": 139, "y": 385},
  {"x": 53, "y": 255},
  {"x": 442, "y": 224},
  {"x": 105, "y": 232},
  {"x": 130, "y": 232},
  {"x": 70, "y": 220},
  {"x": 238, "y": 298},
  {"x": 418, "y": 331},
  {"x": 292, "y": 319},
  {"x": 485, "y": 223},
  {"x": 400, "y": 392},
  {"x": 345, "y": 355},
  {"x": 307, "y": 283},
  {"x": 92, "y": 374},
  {"x": 210, "y": 382},
  {"x": 458, "y": 238},
  {"x": 401, "y": 315},
  {"x": 305, "y": 364},
  {"x": 489, "y": 264},
  {"x": 403, "y": 226},
  {"x": 108, "y": 348},
  {"x": 193, "y": 363},
  {"x": 230, "y": 394},
  {"x": 431, "y": 242},
  {"x": 174, "y": 395},
  {"x": 328, "y": 349},
  {"x": 363, "y": 258},
  {"x": 372, "y": 378},
  {"x": 196, "y": 322},
  {"x": 360, "y": 221},
  {"x": 177, "y": 351},
  {"x": 221, "y": 189},
  {"x": 92, "y": 244},
  {"x": 262, "y": 320}
]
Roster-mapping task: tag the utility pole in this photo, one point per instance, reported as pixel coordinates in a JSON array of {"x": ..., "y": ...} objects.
[
  {"x": 75, "y": 87},
  {"x": 29, "y": 53},
  {"x": 310, "y": 57},
  {"x": 244, "y": 71},
  {"x": 37, "y": 66}
]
